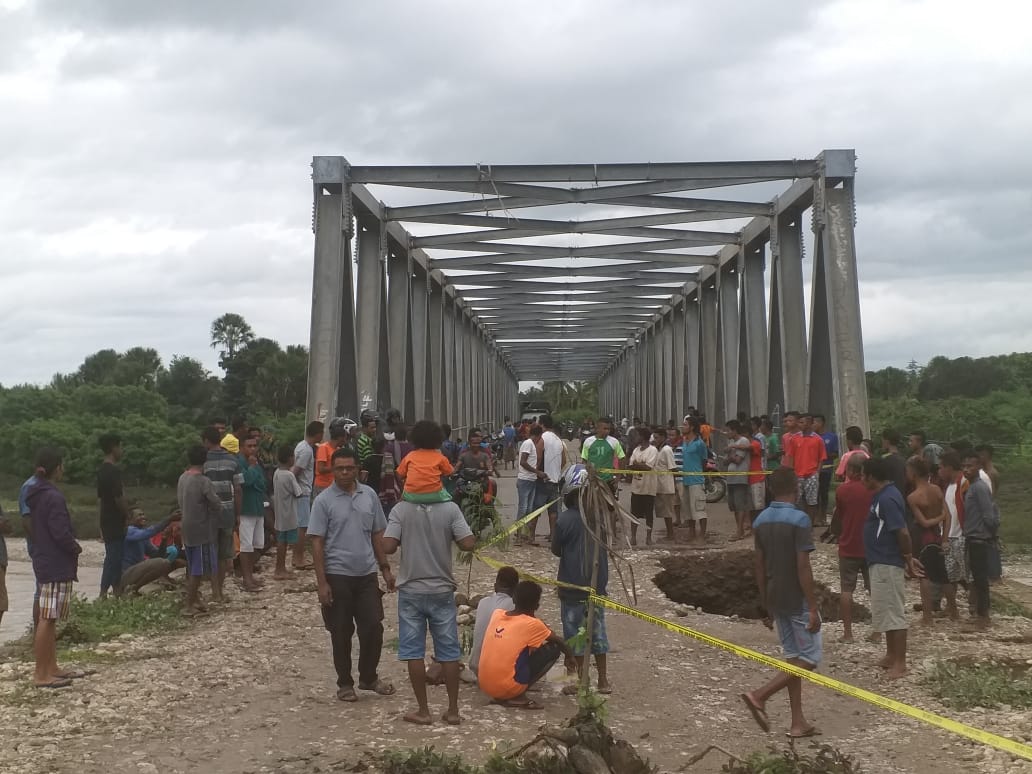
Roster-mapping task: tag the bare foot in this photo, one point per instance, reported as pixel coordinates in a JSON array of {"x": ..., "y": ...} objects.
[
  {"x": 953, "y": 614},
  {"x": 873, "y": 637},
  {"x": 282, "y": 576},
  {"x": 885, "y": 662},
  {"x": 927, "y": 620},
  {"x": 451, "y": 718},
  {"x": 846, "y": 639},
  {"x": 604, "y": 687},
  {"x": 895, "y": 673},
  {"x": 419, "y": 718},
  {"x": 254, "y": 588}
]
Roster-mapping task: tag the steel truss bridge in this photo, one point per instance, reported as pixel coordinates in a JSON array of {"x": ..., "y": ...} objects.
[{"x": 652, "y": 279}]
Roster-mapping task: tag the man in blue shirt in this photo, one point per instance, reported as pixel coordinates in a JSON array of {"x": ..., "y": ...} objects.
[
  {"x": 26, "y": 516},
  {"x": 887, "y": 549},
  {"x": 694, "y": 454},
  {"x": 142, "y": 561},
  {"x": 831, "y": 448},
  {"x": 782, "y": 535},
  {"x": 509, "y": 452}
]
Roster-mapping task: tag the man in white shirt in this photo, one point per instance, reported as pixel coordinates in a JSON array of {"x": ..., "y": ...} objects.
[
  {"x": 739, "y": 500},
  {"x": 528, "y": 480},
  {"x": 643, "y": 485},
  {"x": 953, "y": 548},
  {"x": 666, "y": 492},
  {"x": 304, "y": 472},
  {"x": 554, "y": 463}
]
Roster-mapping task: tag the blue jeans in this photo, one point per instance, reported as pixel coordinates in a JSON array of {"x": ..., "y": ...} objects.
[
  {"x": 796, "y": 641},
  {"x": 418, "y": 611},
  {"x": 575, "y": 615},
  {"x": 111, "y": 575},
  {"x": 526, "y": 494}
]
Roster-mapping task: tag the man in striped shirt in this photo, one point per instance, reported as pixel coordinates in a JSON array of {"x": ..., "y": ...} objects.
[{"x": 227, "y": 479}]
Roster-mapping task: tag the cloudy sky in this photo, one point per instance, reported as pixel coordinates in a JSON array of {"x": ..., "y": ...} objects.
[{"x": 154, "y": 157}]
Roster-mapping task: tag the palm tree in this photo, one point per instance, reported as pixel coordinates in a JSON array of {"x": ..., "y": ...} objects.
[{"x": 230, "y": 332}]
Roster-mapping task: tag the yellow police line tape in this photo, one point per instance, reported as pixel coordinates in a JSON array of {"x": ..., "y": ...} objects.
[{"x": 961, "y": 729}]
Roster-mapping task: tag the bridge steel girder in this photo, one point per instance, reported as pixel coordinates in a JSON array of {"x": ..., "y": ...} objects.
[{"x": 393, "y": 325}]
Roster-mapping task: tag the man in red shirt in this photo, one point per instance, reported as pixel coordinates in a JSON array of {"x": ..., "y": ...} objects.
[
  {"x": 757, "y": 481},
  {"x": 852, "y": 504},
  {"x": 790, "y": 424},
  {"x": 805, "y": 452}
]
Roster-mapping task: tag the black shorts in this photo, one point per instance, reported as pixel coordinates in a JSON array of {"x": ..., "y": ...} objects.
[
  {"x": 643, "y": 506},
  {"x": 934, "y": 562},
  {"x": 850, "y": 567}
]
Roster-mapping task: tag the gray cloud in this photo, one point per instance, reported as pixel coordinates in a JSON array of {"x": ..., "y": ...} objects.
[{"x": 154, "y": 157}]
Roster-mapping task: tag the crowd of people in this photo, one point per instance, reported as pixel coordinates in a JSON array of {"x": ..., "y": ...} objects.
[{"x": 355, "y": 494}]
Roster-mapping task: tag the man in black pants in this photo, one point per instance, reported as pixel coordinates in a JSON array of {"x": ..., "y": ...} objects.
[
  {"x": 346, "y": 528},
  {"x": 981, "y": 520},
  {"x": 518, "y": 650}
]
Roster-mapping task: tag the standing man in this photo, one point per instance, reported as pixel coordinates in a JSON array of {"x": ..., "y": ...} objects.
[
  {"x": 854, "y": 446},
  {"x": 554, "y": 462},
  {"x": 666, "y": 492},
  {"x": 981, "y": 521},
  {"x": 346, "y": 529},
  {"x": 739, "y": 498},
  {"x": 577, "y": 554},
  {"x": 231, "y": 441},
  {"x": 791, "y": 427},
  {"x": 528, "y": 477},
  {"x": 426, "y": 596},
  {"x": 202, "y": 509},
  {"x": 694, "y": 454},
  {"x": 223, "y": 470},
  {"x": 603, "y": 451},
  {"x": 925, "y": 502},
  {"x": 365, "y": 446},
  {"x": 5, "y": 529},
  {"x": 785, "y": 578},
  {"x": 831, "y": 453},
  {"x": 643, "y": 484},
  {"x": 951, "y": 477},
  {"x": 114, "y": 513},
  {"x": 304, "y": 472},
  {"x": 509, "y": 452},
  {"x": 252, "y": 512},
  {"x": 888, "y": 551},
  {"x": 805, "y": 455},
  {"x": 339, "y": 436},
  {"x": 771, "y": 444},
  {"x": 55, "y": 563},
  {"x": 895, "y": 464},
  {"x": 852, "y": 504}
]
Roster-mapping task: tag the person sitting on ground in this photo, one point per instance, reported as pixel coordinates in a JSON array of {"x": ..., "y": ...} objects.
[
  {"x": 421, "y": 469},
  {"x": 575, "y": 569},
  {"x": 518, "y": 650},
  {"x": 143, "y": 562},
  {"x": 201, "y": 508},
  {"x": 504, "y": 587},
  {"x": 783, "y": 541},
  {"x": 286, "y": 494}
]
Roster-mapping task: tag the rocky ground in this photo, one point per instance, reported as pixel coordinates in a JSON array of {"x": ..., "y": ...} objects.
[{"x": 251, "y": 689}]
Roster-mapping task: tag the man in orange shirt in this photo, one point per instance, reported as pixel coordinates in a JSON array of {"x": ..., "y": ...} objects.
[
  {"x": 518, "y": 650},
  {"x": 324, "y": 457},
  {"x": 790, "y": 424},
  {"x": 806, "y": 453}
]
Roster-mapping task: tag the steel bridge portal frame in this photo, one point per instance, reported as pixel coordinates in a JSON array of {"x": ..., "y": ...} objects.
[{"x": 445, "y": 324}]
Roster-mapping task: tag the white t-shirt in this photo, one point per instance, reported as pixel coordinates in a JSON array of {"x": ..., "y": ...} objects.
[
  {"x": 304, "y": 458},
  {"x": 956, "y": 530},
  {"x": 665, "y": 461},
  {"x": 553, "y": 456},
  {"x": 530, "y": 449},
  {"x": 644, "y": 484}
]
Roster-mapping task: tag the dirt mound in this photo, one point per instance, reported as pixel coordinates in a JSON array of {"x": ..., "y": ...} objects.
[{"x": 723, "y": 583}]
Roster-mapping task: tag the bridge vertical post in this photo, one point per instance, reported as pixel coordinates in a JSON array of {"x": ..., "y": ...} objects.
[
  {"x": 422, "y": 401},
  {"x": 845, "y": 339},
  {"x": 787, "y": 302},
  {"x": 693, "y": 342},
  {"x": 332, "y": 256},
  {"x": 436, "y": 373},
  {"x": 730, "y": 338},
  {"x": 399, "y": 317},
  {"x": 753, "y": 354},
  {"x": 708, "y": 348},
  {"x": 678, "y": 345},
  {"x": 667, "y": 358},
  {"x": 449, "y": 392},
  {"x": 368, "y": 316}
]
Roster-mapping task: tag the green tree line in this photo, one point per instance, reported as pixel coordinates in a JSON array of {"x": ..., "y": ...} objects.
[{"x": 156, "y": 408}]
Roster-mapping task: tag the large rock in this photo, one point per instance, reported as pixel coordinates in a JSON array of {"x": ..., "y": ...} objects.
[{"x": 585, "y": 761}]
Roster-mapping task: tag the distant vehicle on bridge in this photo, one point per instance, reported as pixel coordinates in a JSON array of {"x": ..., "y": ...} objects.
[{"x": 532, "y": 410}]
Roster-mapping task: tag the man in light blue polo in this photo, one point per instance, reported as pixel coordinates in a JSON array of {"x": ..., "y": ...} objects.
[
  {"x": 346, "y": 529},
  {"x": 694, "y": 454}
]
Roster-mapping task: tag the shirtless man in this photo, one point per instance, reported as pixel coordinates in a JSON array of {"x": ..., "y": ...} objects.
[{"x": 928, "y": 508}]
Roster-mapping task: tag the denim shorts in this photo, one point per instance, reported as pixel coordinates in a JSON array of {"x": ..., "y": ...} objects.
[
  {"x": 575, "y": 615},
  {"x": 796, "y": 641},
  {"x": 304, "y": 511},
  {"x": 418, "y": 611}
]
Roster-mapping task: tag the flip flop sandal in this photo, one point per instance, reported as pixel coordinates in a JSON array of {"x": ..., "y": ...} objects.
[
  {"x": 812, "y": 731},
  {"x": 381, "y": 687},
  {"x": 347, "y": 694},
  {"x": 529, "y": 704},
  {"x": 77, "y": 674},
  {"x": 758, "y": 714},
  {"x": 59, "y": 683}
]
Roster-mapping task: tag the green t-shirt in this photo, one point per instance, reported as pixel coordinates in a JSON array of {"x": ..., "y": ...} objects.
[
  {"x": 602, "y": 452},
  {"x": 773, "y": 447}
]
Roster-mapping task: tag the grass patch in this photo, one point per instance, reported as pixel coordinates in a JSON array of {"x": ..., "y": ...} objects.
[
  {"x": 1013, "y": 498},
  {"x": 824, "y": 760},
  {"x": 98, "y": 620},
  {"x": 25, "y": 696},
  {"x": 1003, "y": 605},
  {"x": 966, "y": 685},
  {"x": 430, "y": 761},
  {"x": 82, "y": 504}
]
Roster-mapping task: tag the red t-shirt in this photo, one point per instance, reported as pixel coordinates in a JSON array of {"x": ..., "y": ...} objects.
[
  {"x": 756, "y": 462},
  {"x": 786, "y": 445},
  {"x": 808, "y": 453},
  {"x": 852, "y": 504}
]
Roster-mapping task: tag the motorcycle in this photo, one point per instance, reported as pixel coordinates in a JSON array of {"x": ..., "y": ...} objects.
[
  {"x": 466, "y": 481},
  {"x": 714, "y": 485}
]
